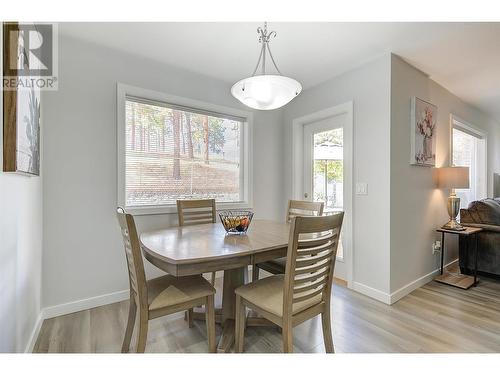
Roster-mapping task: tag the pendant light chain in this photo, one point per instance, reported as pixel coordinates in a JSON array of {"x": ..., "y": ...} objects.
[{"x": 264, "y": 38}]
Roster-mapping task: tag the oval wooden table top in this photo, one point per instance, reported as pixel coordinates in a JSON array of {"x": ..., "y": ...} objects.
[{"x": 206, "y": 247}]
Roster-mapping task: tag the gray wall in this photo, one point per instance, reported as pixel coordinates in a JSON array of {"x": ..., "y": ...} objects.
[
  {"x": 83, "y": 254},
  {"x": 369, "y": 88},
  {"x": 20, "y": 259},
  {"x": 20, "y": 254},
  {"x": 417, "y": 206}
]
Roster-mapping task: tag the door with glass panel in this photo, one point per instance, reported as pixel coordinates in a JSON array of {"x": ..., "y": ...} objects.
[{"x": 324, "y": 173}]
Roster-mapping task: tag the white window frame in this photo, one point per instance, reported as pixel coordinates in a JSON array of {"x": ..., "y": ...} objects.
[
  {"x": 246, "y": 134},
  {"x": 458, "y": 123}
]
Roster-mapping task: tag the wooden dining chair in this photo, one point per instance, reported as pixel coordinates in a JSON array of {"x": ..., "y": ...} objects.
[
  {"x": 295, "y": 208},
  {"x": 165, "y": 295},
  {"x": 303, "y": 208},
  {"x": 192, "y": 212},
  {"x": 304, "y": 291},
  {"x": 196, "y": 211}
]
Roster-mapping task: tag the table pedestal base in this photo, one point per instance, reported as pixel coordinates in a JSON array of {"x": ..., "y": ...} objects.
[
  {"x": 200, "y": 315},
  {"x": 226, "y": 340},
  {"x": 226, "y": 314},
  {"x": 251, "y": 320}
]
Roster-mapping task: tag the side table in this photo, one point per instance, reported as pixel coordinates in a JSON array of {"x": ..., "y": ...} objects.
[{"x": 459, "y": 280}]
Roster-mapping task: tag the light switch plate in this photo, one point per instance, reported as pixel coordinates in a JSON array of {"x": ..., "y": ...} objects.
[{"x": 361, "y": 188}]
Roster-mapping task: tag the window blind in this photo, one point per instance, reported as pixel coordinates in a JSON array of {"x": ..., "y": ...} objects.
[{"x": 184, "y": 108}]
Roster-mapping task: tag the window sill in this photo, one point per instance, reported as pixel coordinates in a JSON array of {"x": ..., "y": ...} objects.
[{"x": 172, "y": 209}]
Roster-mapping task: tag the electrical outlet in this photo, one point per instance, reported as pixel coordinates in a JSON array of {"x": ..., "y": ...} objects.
[
  {"x": 361, "y": 188},
  {"x": 436, "y": 247}
]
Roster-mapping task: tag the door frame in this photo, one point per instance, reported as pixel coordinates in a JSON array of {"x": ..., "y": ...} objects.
[{"x": 298, "y": 170}]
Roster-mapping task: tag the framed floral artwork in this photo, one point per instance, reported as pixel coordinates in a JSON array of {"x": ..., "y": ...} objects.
[{"x": 423, "y": 133}]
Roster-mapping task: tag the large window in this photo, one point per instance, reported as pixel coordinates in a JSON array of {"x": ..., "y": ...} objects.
[
  {"x": 469, "y": 150},
  {"x": 173, "y": 151}
]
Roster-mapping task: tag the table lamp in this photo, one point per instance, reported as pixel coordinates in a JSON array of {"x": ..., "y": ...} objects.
[{"x": 453, "y": 178}]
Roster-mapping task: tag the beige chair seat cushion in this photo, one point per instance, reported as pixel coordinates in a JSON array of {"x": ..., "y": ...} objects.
[
  {"x": 267, "y": 294},
  {"x": 168, "y": 290}
]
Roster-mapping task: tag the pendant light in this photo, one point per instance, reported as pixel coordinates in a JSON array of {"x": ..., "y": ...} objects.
[{"x": 266, "y": 91}]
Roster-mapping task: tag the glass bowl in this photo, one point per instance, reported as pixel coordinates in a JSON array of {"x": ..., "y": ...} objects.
[{"x": 236, "y": 222}]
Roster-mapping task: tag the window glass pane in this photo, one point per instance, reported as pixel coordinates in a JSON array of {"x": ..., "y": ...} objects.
[
  {"x": 174, "y": 154},
  {"x": 328, "y": 172},
  {"x": 328, "y": 177},
  {"x": 464, "y": 155}
]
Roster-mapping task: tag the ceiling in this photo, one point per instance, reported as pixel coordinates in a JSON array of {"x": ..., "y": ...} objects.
[{"x": 463, "y": 57}]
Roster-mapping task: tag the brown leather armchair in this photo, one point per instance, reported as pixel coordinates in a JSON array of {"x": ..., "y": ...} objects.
[{"x": 482, "y": 214}]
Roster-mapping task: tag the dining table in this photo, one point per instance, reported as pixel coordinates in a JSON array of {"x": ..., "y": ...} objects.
[{"x": 197, "y": 249}]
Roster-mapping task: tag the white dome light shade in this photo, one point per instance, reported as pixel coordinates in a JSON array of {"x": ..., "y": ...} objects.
[{"x": 266, "y": 92}]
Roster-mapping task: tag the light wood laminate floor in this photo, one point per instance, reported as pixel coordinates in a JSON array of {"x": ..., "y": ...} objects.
[{"x": 434, "y": 318}]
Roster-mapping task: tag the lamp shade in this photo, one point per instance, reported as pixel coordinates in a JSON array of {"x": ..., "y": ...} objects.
[
  {"x": 266, "y": 91},
  {"x": 453, "y": 177}
]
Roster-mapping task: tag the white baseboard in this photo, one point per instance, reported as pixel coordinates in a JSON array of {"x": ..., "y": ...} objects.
[
  {"x": 72, "y": 307},
  {"x": 389, "y": 299},
  {"x": 84, "y": 304},
  {"x": 372, "y": 292},
  {"x": 34, "y": 333},
  {"x": 410, "y": 287},
  {"x": 89, "y": 303}
]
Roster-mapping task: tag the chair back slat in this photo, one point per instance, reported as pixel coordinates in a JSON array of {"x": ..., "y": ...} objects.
[
  {"x": 303, "y": 208},
  {"x": 310, "y": 243},
  {"x": 302, "y": 262},
  {"x": 135, "y": 265},
  {"x": 311, "y": 277},
  {"x": 199, "y": 211},
  {"x": 300, "y": 297},
  {"x": 314, "y": 268},
  {"x": 315, "y": 283},
  {"x": 312, "y": 249}
]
